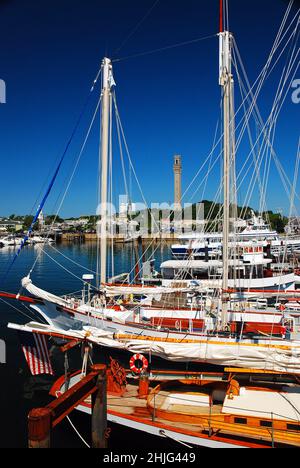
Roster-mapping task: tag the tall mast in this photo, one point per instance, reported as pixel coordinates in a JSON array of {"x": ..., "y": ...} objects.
[
  {"x": 233, "y": 183},
  {"x": 105, "y": 118},
  {"x": 225, "y": 81}
]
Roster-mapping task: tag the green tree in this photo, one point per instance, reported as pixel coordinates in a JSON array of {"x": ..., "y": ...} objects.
[
  {"x": 27, "y": 222},
  {"x": 50, "y": 219}
]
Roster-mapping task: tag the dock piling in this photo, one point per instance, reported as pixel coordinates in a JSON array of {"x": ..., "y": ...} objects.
[
  {"x": 41, "y": 421},
  {"x": 39, "y": 428},
  {"x": 99, "y": 408}
]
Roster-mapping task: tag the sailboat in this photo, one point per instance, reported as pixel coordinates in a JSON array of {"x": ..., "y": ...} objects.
[
  {"x": 213, "y": 410},
  {"x": 216, "y": 334}
]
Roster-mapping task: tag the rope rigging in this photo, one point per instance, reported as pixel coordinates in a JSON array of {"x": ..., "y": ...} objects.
[
  {"x": 49, "y": 189},
  {"x": 264, "y": 74},
  {"x": 77, "y": 161},
  {"x": 137, "y": 27},
  {"x": 163, "y": 49}
]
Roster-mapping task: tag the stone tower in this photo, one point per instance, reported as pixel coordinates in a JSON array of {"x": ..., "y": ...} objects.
[
  {"x": 177, "y": 180},
  {"x": 41, "y": 221}
]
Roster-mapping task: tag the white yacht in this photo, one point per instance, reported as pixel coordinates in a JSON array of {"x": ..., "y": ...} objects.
[
  {"x": 256, "y": 233},
  {"x": 249, "y": 270},
  {"x": 10, "y": 241},
  {"x": 40, "y": 240}
]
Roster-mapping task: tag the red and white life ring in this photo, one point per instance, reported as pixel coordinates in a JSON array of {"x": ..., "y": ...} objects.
[{"x": 133, "y": 363}]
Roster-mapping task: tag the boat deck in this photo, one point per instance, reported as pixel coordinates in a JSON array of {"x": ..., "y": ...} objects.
[
  {"x": 207, "y": 421},
  {"x": 187, "y": 420}
]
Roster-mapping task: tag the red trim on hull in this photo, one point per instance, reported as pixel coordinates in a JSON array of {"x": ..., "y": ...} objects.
[{"x": 21, "y": 298}]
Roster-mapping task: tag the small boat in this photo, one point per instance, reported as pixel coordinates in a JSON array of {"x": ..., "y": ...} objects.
[
  {"x": 40, "y": 240},
  {"x": 10, "y": 241}
]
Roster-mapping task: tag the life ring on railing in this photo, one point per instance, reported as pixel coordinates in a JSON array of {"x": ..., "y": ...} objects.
[{"x": 138, "y": 358}]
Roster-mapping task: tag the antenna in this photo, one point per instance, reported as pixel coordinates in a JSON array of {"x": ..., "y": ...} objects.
[{"x": 221, "y": 16}]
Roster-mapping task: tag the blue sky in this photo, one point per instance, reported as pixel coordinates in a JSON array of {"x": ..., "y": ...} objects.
[{"x": 169, "y": 101}]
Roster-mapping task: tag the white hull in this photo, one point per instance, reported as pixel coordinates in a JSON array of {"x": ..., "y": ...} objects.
[
  {"x": 198, "y": 248},
  {"x": 284, "y": 282}
]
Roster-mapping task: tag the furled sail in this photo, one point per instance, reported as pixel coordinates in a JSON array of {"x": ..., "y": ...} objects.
[
  {"x": 272, "y": 356},
  {"x": 41, "y": 294},
  {"x": 114, "y": 291}
]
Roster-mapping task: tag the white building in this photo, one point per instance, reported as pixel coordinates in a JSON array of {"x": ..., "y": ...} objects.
[{"x": 6, "y": 226}]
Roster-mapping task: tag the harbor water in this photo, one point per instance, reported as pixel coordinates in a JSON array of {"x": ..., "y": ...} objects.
[{"x": 57, "y": 269}]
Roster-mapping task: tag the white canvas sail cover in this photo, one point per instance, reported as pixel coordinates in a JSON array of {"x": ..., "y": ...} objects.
[
  {"x": 41, "y": 294},
  {"x": 280, "y": 359},
  {"x": 114, "y": 291},
  {"x": 272, "y": 356}
]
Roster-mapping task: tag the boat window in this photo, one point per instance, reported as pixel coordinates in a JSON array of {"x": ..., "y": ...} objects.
[
  {"x": 266, "y": 423},
  {"x": 293, "y": 427},
  {"x": 240, "y": 420}
]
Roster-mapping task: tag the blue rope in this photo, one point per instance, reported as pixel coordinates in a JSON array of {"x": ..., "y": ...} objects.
[{"x": 41, "y": 206}]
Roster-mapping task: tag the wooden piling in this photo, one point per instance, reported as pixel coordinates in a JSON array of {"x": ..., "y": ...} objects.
[
  {"x": 41, "y": 421},
  {"x": 39, "y": 428},
  {"x": 99, "y": 409}
]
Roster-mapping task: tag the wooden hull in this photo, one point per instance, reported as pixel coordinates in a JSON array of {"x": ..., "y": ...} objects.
[{"x": 132, "y": 413}]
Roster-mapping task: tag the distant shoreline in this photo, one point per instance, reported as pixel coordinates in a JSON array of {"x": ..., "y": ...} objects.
[{"x": 121, "y": 239}]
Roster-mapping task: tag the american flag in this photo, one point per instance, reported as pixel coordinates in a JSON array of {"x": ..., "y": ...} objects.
[{"x": 36, "y": 353}]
